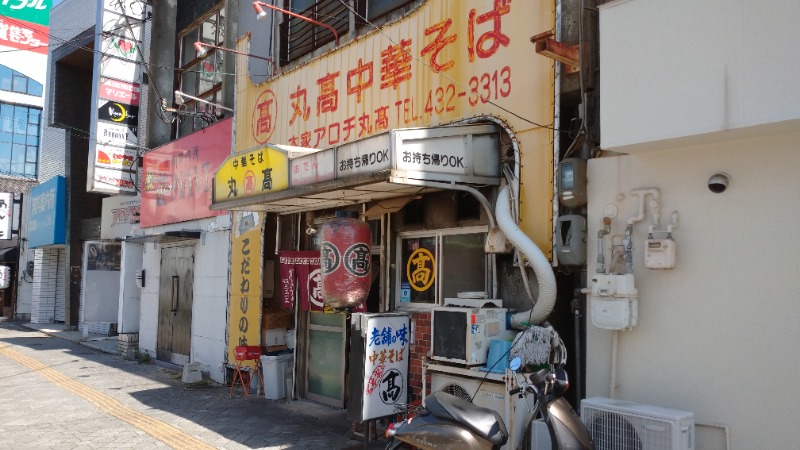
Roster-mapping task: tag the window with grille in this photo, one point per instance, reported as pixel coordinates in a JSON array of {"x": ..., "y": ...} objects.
[
  {"x": 300, "y": 37},
  {"x": 201, "y": 77}
]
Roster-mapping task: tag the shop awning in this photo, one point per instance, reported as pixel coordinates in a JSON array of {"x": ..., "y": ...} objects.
[
  {"x": 9, "y": 254},
  {"x": 167, "y": 237},
  {"x": 399, "y": 164}
]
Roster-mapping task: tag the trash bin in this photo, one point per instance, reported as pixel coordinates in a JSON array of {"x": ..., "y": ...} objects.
[{"x": 274, "y": 374}]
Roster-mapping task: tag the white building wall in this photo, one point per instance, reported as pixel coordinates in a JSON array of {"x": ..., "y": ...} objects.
[
  {"x": 210, "y": 302},
  {"x": 691, "y": 89},
  {"x": 129, "y": 292},
  {"x": 686, "y": 68},
  {"x": 721, "y": 327}
]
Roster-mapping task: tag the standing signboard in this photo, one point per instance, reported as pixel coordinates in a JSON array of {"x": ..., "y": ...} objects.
[{"x": 384, "y": 384}]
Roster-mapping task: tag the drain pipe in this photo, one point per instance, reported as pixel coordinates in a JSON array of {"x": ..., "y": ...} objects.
[{"x": 546, "y": 299}]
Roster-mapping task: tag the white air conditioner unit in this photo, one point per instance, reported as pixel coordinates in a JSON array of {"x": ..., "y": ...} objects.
[{"x": 620, "y": 425}]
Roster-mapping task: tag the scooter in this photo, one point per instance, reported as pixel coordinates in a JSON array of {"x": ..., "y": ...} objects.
[{"x": 448, "y": 422}]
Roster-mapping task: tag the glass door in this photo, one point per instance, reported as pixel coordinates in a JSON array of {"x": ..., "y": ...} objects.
[{"x": 327, "y": 338}]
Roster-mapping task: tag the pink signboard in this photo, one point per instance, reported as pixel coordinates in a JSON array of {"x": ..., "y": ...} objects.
[
  {"x": 178, "y": 176},
  {"x": 120, "y": 91}
]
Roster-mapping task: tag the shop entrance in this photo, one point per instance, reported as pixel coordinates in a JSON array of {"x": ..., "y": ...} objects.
[
  {"x": 175, "y": 304},
  {"x": 327, "y": 339}
]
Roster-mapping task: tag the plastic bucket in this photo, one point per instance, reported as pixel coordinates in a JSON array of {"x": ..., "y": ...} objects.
[{"x": 497, "y": 361}]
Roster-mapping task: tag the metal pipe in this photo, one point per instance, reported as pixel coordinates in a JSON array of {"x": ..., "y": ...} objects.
[
  {"x": 201, "y": 52},
  {"x": 257, "y": 6},
  {"x": 613, "y": 389}
]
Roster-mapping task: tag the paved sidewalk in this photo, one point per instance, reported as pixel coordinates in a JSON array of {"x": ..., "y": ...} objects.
[
  {"x": 59, "y": 405},
  {"x": 105, "y": 344}
]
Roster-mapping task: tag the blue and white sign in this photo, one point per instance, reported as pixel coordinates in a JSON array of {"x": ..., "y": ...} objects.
[
  {"x": 388, "y": 338},
  {"x": 47, "y": 225}
]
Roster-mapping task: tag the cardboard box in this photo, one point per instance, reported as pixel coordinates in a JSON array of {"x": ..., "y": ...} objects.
[{"x": 274, "y": 319}]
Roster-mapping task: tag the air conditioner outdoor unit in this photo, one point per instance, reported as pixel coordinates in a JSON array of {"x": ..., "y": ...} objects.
[{"x": 620, "y": 425}]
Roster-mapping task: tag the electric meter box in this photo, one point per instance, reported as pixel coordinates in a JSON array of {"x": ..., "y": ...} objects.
[
  {"x": 572, "y": 182},
  {"x": 614, "y": 302},
  {"x": 659, "y": 254}
]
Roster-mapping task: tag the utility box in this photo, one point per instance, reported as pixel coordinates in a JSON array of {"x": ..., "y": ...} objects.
[
  {"x": 614, "y": 302},
  {"x": 571, "y": 240}
]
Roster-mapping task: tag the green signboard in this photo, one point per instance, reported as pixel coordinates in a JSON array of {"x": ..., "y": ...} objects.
[{"x": 35, "y": 11}]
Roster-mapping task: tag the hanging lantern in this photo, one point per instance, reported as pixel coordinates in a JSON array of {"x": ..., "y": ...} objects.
[{"x": 345, "y": 260}]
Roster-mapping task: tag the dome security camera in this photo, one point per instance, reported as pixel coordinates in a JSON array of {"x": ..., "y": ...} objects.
[{"x": 718, "y": 183}]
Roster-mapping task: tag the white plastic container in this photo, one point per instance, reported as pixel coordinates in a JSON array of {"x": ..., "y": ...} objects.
[{"x": 274, "y": 375}]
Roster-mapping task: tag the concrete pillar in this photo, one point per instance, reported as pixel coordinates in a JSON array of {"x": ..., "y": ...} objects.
[{"x": 129, "y": 292}]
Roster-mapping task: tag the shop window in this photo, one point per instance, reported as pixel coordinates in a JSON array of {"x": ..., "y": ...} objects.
[
  {"x": 13, "y": 81},
  {"x": 201, "y": 77},
  {"x": 433, "y": 266},
  {"x": 300, "y": 37},
  {"x": 19, "y": 140}
]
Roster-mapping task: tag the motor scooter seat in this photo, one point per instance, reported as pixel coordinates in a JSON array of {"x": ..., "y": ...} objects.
[{"x": 484, "y": 422}]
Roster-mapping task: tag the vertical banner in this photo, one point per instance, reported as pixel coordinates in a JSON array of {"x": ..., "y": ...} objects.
[
  {"x": 386, "y": 364},
  {"x": 115, "y": 97},
  {"x": 6, "y": 214},
  {"x": 301, "y": 278},
  {"x": 244, "y": 292}
]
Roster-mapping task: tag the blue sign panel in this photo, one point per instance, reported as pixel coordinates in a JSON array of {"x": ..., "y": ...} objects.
[{"x": 47, "y": 225}]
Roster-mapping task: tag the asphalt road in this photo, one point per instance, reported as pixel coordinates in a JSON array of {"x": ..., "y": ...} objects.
[{"x": 60, "y": 394}]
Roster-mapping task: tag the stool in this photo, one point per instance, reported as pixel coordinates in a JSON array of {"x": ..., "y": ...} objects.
[{"x": 241, "y": 354}]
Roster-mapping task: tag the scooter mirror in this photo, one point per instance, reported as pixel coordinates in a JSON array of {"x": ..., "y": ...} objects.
[{"x": 515, "y": 364}]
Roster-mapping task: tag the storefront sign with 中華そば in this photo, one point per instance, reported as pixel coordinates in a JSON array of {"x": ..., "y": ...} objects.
[{"x": 386, "y": 364}]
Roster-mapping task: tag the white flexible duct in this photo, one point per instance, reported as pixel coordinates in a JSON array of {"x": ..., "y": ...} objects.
[{"x": 543, "y": 305}]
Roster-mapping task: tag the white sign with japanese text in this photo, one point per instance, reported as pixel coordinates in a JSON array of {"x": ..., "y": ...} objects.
[
  {"x": 387, "y": 339},
  {"x": 363, "y": 157},
  {"x": 6, "y": 208},
  {"x": 310, "y": 169}
]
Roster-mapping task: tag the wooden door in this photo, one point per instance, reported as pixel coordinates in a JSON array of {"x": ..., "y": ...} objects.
[{"x": 175, "y": 304}]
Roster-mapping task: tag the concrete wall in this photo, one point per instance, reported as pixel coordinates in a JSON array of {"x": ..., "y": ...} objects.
[
  {"x": 721, "y": 328},
  {"x": 210, "y": 302},
  {"x": 686, "y": 68}
]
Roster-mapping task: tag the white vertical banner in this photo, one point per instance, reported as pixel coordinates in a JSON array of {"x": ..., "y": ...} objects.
[
  {"x": 6, "y": 214},
  {"x": 387, "y": 338},
  {"x": 117, "y": 88}
]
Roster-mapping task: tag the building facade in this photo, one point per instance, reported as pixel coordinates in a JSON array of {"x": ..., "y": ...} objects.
[
  {"x": 23, "y": 73},
  {"x": 695, "y": 121}
]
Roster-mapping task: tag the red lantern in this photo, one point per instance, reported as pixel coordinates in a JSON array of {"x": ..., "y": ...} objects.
[{"x": 345, "y": 255}]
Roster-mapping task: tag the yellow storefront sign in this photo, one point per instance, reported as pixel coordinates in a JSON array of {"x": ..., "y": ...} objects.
[
  {"x": 446, "y": 62},
  {"x": 259, "y": 171},
  {"x": 244, "y": 309}
]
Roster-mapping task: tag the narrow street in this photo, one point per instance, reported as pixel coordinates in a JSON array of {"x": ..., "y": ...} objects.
[{"x": 61, "y": 394}]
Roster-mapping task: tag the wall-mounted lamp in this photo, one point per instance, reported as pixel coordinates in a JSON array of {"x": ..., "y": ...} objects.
[
  {"x": 257, "y": 6},
  {"x": 202, "y": 51},
  {"x": 180, "y": 95}
]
